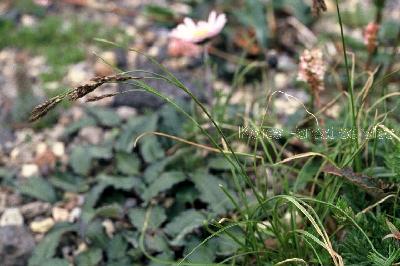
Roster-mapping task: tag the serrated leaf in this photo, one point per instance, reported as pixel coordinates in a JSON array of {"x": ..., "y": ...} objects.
[
  {"x": 206, "y": 253},
  {"x": 46, "y": 248},
  {"x": 164, "y": 256},
  {"x": 80, "y": 160},
  {"x": 69, "y": 183},
  {"x": 226, "y": 246},
  {"x": 171, "y": 120},
  {"x": 123, "y": 183},
  {"x": 90, "y": 257},
  {"x": 124, "y": 261},
  {"x": 56, "y": 262},
  {"x": 183, "y": 224},
  {"x": 156, "y": 242},
  {"x": 133, "y": 129},
  {"x": 219, "y": 163},
  {"x": 77, "y": 125},
  {"x": 116, "y": 248},
  {"x": 109, "y": 211},
  {"x": 95, "y": 233},
  {"x": 93, "y": 195},
  {"x": 127, "y": 163},
  {"x": 137, "y": 217},
  {"x": 151, "y": 149},
  {"x": 211, "y": 193},
  {"x": 106, "y": 117},
  {"x": 99, "y": 152},
  {"x": 155, "y": 169},
  {"x": 117, "y": 182},
  {"x": 164, "y": 182},
  {"x": 38, "y": 188}
]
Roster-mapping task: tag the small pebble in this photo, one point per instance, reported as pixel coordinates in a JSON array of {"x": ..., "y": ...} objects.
[
  {"x": 42, "y": 226},
  {"x": 11, "y": 216},
  {"x": 29, "y": 170},
  {"x": 60, "y": 214}
]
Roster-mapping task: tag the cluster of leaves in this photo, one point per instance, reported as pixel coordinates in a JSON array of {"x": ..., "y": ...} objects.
[
  {"x": 183, "y": 191},
  {"x": 376, "y": 227}
]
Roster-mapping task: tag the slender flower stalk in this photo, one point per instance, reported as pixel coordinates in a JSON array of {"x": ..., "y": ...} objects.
[{"x": 350, "y": 86}]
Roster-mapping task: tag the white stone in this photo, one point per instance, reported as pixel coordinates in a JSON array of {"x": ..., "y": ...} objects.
[
  {"x": 29, "y": 169},
  {"x": 126, "y": 112},
  {"x": 60, "y": 214},
  {"x": 11, "y": 216},
  {"x": 74, "y": 214},
  {"x": 58, "y": 148}
]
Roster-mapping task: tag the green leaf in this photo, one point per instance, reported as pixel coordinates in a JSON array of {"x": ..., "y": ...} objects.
[
  {"x": 164, "y": 256},
  {"x": 38, "y": 188},
  {"x": 109, "y": 211},
  {"x": 116, "y": 248},
  {"x": 77, "y": 125},
  {"x": 183, "y": 224},
  {"x": 151, "y": 149},
  {"x": 106, "y": 117},
  {"x": 132, "y": 129},
  {"x": 117, "y": 182},
  {"x": 95, "y": 233},
  {"x": 171, "y": 121},
  {"x": 219, "y": 163},
  {"x": 203, "y": 254},
  {"x": 127, "y": 163},
  {"x": 164, "y": 182},
  {"x": 306, "y": 174},
  {"x": 56, "y": 262},
  {"x": 80, "y": 160},
  {"x": 69, "y": 183},
  {"x": 211, "y": 193},
  {"x": 93, "y": 195},
  {"x": 100, "y": 152},
  {"x": 254, "y": 16},
  {"x": 297, "y": 7},
  {"x": 122, "y": 183},
  {"x": 137, "y": 217},
  {"x": 155, "y": 169},
  {"x": 90, "y": 257},
  {"x": 46, "y": 248},
  {"x": 226, "y": 246},
  {"x": 156, "y": 242}
]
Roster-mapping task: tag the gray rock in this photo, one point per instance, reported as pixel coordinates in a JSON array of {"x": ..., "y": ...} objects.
[
  {"x": 191, "y": 77},
  {"x": 16, "y": 245}
]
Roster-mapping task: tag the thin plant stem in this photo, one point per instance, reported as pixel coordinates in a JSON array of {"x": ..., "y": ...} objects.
[{"x": 349, "y": 83}]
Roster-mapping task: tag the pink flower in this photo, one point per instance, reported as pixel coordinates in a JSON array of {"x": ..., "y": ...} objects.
[
  {"x": 190, "y": 31},
  {"x": 371, "y": 36},
  {"x": 178, "y": 47},
  {"x": 312, "y": 69}
]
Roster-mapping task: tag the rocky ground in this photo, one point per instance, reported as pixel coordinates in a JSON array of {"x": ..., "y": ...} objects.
[{"x": 28, "y": 213}]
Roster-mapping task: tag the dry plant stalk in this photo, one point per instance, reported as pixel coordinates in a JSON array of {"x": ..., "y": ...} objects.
[
  {"x": 77, "y": 93},
  {"x": 100, "y": 97},
  {"x": 318, "y": 7}
]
